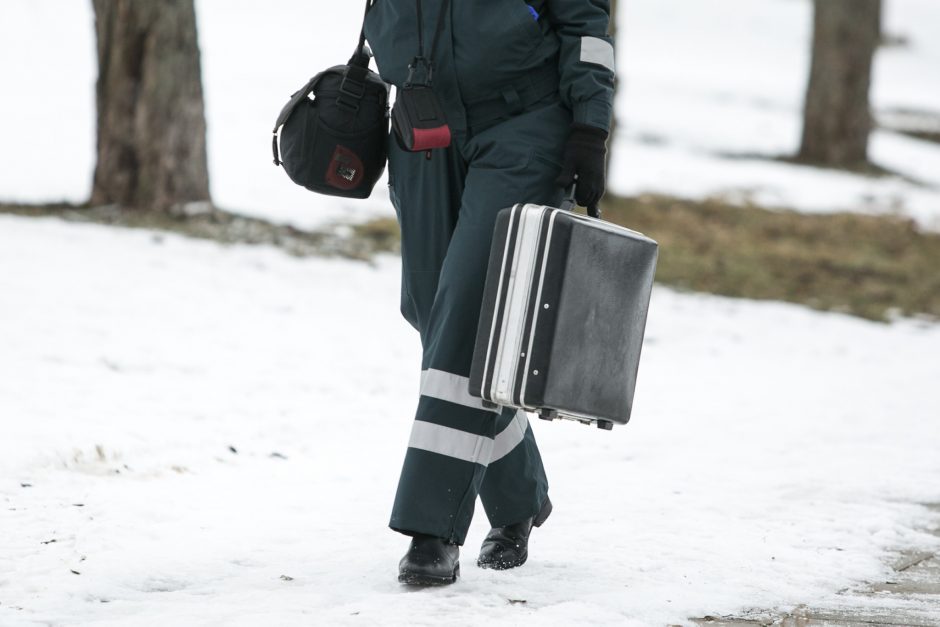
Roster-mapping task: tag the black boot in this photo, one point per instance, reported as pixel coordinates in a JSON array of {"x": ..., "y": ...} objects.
[
  {"x": 430, "y": 561},
  {"x": 508, "y": 547}
]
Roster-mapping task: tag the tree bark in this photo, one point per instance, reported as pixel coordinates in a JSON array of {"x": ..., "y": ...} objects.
[
  {"x": 836, "y": 115},
  {"x": 151, "y": 117}
]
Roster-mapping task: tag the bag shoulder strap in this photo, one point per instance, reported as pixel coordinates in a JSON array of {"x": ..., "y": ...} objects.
[
  {"x": 440, "y": 28},
  {"x": 361, "y": 57},
  {"x": 352, "y": 88},
  {"x": 421, "y": 69}
]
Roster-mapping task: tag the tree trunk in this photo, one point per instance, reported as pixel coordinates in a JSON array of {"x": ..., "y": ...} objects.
[
  {"x": 151, "y": 119},
  {"x": 836, "y": 116}
]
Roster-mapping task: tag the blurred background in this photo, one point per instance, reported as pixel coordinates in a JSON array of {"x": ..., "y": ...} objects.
[
  {"x": 715, "y": 112},
  {"x": 202, "y": 369}
]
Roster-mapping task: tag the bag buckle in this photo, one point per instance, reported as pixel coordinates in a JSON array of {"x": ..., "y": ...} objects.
[
  {"x": 353, "y": 90},
  {"x": 420, "y": 73},
  {"x": 346, "y": 86}
]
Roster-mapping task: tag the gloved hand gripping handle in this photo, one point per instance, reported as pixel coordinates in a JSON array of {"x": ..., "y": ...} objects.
[{"x": 569, "y": 203}]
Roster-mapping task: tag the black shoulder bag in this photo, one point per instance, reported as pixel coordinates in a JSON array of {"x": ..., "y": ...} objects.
[{"x": 333, "y": 143}]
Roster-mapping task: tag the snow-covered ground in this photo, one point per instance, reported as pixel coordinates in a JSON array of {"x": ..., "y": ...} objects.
[
  {"x": 706, "y": 87},
  {"x": 776, "y": 455}
]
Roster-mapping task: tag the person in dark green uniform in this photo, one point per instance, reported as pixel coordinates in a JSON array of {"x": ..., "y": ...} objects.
[{"x": 527, "y": 90}]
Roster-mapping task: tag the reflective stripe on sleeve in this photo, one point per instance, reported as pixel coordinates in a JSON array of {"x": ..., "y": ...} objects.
[
  {"x": 599, "y": 51},
  {"x": 447, "y": 386}
]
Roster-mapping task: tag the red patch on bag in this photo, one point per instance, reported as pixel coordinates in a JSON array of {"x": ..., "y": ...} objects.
[
  {"x": 428, "y": 138},
  {"x": 345, "y": 170}
]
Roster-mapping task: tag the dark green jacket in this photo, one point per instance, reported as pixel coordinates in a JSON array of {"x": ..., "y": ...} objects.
[{"x": 487, "y": 45}]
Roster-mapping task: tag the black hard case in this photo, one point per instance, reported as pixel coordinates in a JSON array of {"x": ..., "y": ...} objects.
[{"x": 563, "y": 315}]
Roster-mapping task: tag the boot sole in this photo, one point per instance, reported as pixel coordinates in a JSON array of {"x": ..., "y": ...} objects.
[{"x": 421, "y": 579}]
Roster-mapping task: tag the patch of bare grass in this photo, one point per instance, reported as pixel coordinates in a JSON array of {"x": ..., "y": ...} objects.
[
  {"x": 222, "y": 226},
  {"x": 870, "y": 266}
]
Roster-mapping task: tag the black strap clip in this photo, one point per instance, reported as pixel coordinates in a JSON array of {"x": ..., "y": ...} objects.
[
  {"x": 420, "y": 73},
  {"x": 351, "y": 91}
]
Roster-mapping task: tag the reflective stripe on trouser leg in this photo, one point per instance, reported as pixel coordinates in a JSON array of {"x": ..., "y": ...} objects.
[
  {"x": 450, "y": 448},
  {"x": 478, "y": 449},
  {"x": 447, "y": 386},
  {"x": 514, "y": 486}
]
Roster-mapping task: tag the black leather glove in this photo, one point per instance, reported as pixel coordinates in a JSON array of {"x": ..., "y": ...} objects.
[{"x": 584, "y": 157}]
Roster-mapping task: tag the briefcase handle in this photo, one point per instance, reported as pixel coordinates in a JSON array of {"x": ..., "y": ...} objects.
[{"x": 569, "y": 203}]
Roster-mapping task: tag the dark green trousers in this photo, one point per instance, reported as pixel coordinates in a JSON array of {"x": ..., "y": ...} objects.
[{"x": 446, "y": 206}]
